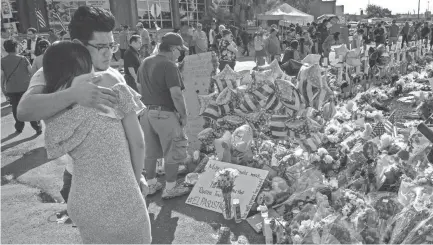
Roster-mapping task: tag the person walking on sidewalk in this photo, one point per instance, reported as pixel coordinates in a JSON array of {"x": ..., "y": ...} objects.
[
  {"x": 405, "y": 34},
  {"x": 124, "y": 41},
  {"x": 228, "y": 50},
  {"x": 132, "y": 61},
  {"x": 200, "y": 38},
  {"x": 165, "y": 118},
  {"x": 393, "y": 33},
  {"x": 273, "y": 46},
  {"x": 16, "y": 73},
  {"x": 245, "y": 37}
]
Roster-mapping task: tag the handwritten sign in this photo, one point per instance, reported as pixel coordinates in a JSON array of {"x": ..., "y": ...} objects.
[
  {"x": 247, "y": 186},
  {"x": 196, "y": 76}
]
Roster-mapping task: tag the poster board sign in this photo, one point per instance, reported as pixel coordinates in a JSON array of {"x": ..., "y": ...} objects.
[
  {"x": 247, "y": 186},
  {"x": 6, "y": 9},
  {"x": 196, "y": 76}
]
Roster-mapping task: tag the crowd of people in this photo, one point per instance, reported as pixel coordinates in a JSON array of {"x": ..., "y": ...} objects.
[{"x": 111, "y": 135}]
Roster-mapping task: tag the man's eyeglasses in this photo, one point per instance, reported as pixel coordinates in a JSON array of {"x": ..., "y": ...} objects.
[{"x": 114, "y": 47}]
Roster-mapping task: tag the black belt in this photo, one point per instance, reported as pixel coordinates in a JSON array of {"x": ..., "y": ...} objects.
[{"x": 159, "y": 108}]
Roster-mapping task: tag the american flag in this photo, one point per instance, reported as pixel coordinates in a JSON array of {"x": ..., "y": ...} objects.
[
  {"x": 41, "y": 19},
  {"x": 383, "y": 127},
  {"x": 389, "y": 124},
  {"x": 57, "y": 16}
]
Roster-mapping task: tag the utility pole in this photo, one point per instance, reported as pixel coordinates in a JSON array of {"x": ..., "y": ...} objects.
[{"x": 419, "y": 4}]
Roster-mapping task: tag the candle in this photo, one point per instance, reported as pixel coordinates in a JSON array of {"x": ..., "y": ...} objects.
[{"x": 325, "y": 62}]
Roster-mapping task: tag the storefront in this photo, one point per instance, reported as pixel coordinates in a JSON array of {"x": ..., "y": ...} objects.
[{"x": 166, "y": 14}]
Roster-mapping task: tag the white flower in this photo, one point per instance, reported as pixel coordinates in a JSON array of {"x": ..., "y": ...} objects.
[
  {"x": 315, "y": 158},
  {"x": 196, "y": 155},
  {"x": 328, "y": 159},
  {"x": 297, "y": 239},
  {"x": 322, "y": 151},
  {"x": 333, "y": 138}
]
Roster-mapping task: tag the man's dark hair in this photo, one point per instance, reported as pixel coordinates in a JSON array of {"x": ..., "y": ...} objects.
[
  {"x": 134, "y": 38},
  {"x": 3, "y": 29},
  {"x": 10, "y": 45},
  {"x": 308, "y": 24},
  {"x": 164, "y": 47},
  {"x": 272, "y": 30},
  {"x": 33, "y": 30},
  {"x": 87, "y": 20},
  {"x": 360, "y": 31},
  {"x": 125, "y": 27}
]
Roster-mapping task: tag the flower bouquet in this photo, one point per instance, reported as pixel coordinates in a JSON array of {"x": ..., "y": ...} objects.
[{"x": 225, "y": 180}]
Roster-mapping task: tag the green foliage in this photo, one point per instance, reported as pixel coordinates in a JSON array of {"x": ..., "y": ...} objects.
[{"x": 377, "y": 11}]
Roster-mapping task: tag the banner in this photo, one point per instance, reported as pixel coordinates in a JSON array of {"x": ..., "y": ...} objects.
[
  {"x": 60, "y": 12},
  {"x": 6, "y": 9}
]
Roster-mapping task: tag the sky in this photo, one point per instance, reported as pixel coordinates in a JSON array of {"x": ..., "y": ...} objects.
[{"x": 396, "y": 6}]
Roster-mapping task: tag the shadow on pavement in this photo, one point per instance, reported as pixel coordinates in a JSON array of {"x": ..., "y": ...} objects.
[
  {"x": 4, "y": 103},
  {"x": 6, "y": 110},
  {"x": 28, "y": 161},
  {"x": 18, "y": 142},
  {"x": 163, "y": 226},
  {"x": 199, "y": 214},
  {"x": 11, "y": 136}
]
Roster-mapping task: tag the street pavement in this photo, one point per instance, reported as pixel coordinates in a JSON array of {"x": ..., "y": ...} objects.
[{"x": 28, "y": 215}]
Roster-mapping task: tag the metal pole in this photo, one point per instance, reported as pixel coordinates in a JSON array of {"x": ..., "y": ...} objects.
[{"x": 419, "y": 4}]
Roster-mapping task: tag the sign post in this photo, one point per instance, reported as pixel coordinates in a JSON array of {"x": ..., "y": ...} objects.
[
  {"x": 155, "y": 10},
  {"x": 196, "y": 76}
]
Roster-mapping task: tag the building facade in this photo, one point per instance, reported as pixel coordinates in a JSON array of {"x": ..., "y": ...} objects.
[{"x": 165, "y": 14}]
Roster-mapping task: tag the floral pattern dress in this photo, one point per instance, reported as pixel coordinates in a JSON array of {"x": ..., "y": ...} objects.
[{"x": 105, "y": 201}]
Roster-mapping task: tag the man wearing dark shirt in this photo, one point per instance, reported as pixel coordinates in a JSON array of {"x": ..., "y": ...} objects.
[
  {"x": 132, "y": 61},
  {"x": 424, "y": 33},
  {"x": 164, "y": 120}
]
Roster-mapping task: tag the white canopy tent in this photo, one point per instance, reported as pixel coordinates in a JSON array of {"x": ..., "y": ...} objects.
[{"x": 286, "y": 13}]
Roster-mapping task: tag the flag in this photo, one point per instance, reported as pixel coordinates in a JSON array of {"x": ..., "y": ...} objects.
[
  {"x": 389, "y": 125},
  {"x": 57, "y": 16},
  {"x": 378, "y": 130},
  {"x": 41, "y": 19}
]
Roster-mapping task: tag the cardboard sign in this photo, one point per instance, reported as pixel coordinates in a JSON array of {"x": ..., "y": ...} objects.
[
  {"x": 247, "y": 186},
  {"x": 196, "y": 76}
]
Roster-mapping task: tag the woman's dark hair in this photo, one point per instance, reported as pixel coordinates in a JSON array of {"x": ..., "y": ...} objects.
[
  {"x": 62, "y": 62},
  {"x": 87, "y": 20},
  {"x": 301, "y": 42},
  {"x": 10, "y": 46}
]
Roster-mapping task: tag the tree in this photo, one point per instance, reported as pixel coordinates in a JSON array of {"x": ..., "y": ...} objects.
[
  {"x": 222, "y": 15},
  {"x": 303, "y": 5},
  {"x": 377, "y": 11}
]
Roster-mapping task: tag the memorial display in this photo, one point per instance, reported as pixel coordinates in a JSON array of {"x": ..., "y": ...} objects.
[{"x": 343, "y": 151}]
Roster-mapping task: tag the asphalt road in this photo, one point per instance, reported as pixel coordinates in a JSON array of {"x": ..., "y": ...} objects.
[{"x": 25, "y": 217}]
